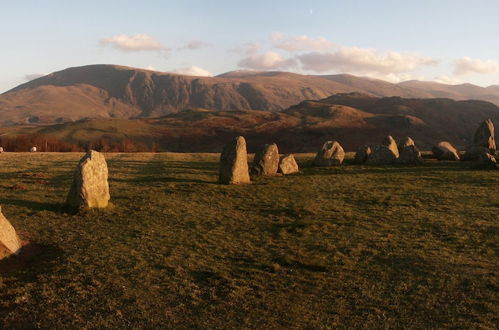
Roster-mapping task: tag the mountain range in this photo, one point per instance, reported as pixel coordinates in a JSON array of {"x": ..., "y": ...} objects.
[{"x": 110, "y": 91}]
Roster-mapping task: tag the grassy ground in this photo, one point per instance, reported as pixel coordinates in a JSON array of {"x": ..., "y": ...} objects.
[{"x": 350, "y": 247}]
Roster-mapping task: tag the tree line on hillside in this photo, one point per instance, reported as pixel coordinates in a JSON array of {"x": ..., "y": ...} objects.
[{"x": 47, "y": 143}]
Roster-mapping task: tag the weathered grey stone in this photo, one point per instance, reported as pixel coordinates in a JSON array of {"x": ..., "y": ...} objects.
[
  {"x": 390, "y": 142},
  {"x": 362, "y": 154},
  {"x": 475, "y": 152},
  {"x": 410, "y": 155},
  {"x": 288, "y": 165},
  {"x": 331, "y": 154},
  {"x": 381, "y": 155},
  {"x": 9, "y": 241},
  {"x": 445, "y": 151},
  {"x": 90, "y": 188},
  {"x": 484, "y": 136},
  {"x": 407, "y": 141},
  {"x": 234, "y": 163},
  {"x": 266, "y": 161},
  {"x": 488, "y": 161}
]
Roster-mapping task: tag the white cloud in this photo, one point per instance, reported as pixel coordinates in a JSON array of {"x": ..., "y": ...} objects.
[
  {"x": 466, "y": 65},
  {"x": 195, "y": 44},
  {"x": 266, "y": 61},
  {"x": 193, "y": 71},
  {"x": 33, "y": 76},
  {"x": 133, "y": 43},
  {"x": 363, "y": 61},
  {"x": 448, "y": 80},
  {"x": 300, "y": 43}
]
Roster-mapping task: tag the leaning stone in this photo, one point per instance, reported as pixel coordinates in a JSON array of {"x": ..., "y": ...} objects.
[
  {"x": 9, "y": 241},
  {"x": 484, "y": 136},
  {"x": 390, "y": 142},
  {"x": 381, "y": 155},
  {"x": 410, "y": 155},
  {"x": 288, "y": 165},
  {"x": 266, "y": 161},
  {"x": 362, "y": 154},
  {"x": 331, "y": 154},
  {"x": 405, "y": 143},
  {"x": 234, "y": 163},
  {"x": 445, "y": 151},
  {"x": 90, "y": 188}
]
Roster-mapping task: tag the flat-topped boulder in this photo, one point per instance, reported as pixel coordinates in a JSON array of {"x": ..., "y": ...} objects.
[
  {"x": 331, "y": 154},
  {"x": 9, "y": 241},
  {"x": 234, "y": 163},
  {"x": 410, "y": 154},
  {"x": 90, "y": 188},
  {"x": 266, "y": 161},
  {"x": 362, "y": 154},
  {"x": 288, "y": 165},
  {"x": 390, "y": 142},
  {"x": 445, "y": 151},
  {"x": 484, "y": 136}
]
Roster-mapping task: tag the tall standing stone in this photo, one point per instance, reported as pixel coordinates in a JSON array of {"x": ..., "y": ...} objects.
[
  {"x": 407, "y": 141},
  {"x": 410, "y": 155},
  {"x": 390, "y": 142},
  {"x": 331, "y": 154},
  {"x": 362, "y": 154},
  {"x": 266, "y": 161},
  {"x": 234, "y": 163},
  {"x": 9, "y": 241},
  {"x": 484, "y": 136},
  {"x": 288, "y": 165},
  {"x": 90, "y": 188}
]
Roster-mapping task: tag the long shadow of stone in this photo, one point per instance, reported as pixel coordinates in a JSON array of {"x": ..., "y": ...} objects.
[
  {"x": 23, "y": 269},
  {"x": 37, "y": 206}
]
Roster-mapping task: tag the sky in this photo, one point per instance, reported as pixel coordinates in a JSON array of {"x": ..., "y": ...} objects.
[{"x": 440, "y": 40}]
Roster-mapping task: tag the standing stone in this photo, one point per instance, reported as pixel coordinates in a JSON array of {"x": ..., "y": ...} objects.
[
  {"x": 362, "y": 154},
  {"x": 390, "y": 142},
  {"x": 234, "y": 163},
  {"x": 381, "y": 155},
  {"x": 331, "y": 154},
  {"x": 405, "y": 143},
  {"x": 476, "y": 152},
  {"x": 410, "y": 155},
  {"x": 9, "y": 241},
  {"x": 445, "y": 151},
  {"x": 488, "y": 161},
  {"x": 484, "y": 136},
  {"x": 288, "y": 165},
  {"x": 90, "y": 188},
  {"x": 266, "y": 161}
]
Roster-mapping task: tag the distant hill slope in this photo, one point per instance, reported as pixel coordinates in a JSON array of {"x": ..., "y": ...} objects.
[
  {"x": 352, "y": 119},
  {"x": 110, "y": 91}
]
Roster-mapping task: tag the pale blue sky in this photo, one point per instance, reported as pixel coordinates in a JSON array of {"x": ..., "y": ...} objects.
[{"x": 454, "y": 41}]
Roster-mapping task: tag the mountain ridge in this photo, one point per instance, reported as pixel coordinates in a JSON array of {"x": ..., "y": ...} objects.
[{"x": 113, "y": 91}]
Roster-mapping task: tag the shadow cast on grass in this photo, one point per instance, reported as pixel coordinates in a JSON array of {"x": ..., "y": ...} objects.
[{"x": 37, "y": 206}]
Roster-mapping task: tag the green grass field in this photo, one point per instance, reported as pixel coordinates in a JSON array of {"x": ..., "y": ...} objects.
[{"x": 348, "y": 247}]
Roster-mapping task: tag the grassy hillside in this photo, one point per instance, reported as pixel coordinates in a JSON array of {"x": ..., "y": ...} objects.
[{"x": 353, "y": 247}]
